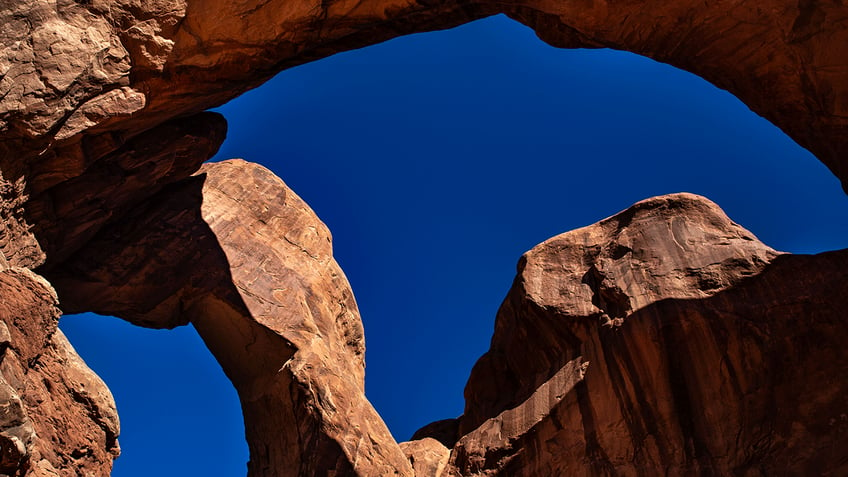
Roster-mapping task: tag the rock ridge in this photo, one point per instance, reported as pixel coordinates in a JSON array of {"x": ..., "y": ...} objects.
[{"x": 714, "y": 332}]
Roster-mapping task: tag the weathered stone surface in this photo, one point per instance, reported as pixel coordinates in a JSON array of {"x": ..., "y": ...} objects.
[
  {"x": 663, "y": 340},
  {"x": 72, "y": 69},
  {"x": 55, "y": 57},
  {"x": 427, "y": 456},
  {"x": 240, "y": 256},
  {"x": 679, "y": 246},
  {"x": 118, "y": 102},
  {"x": 100, "y": 123},
  {"x": 57, "y": 418}
]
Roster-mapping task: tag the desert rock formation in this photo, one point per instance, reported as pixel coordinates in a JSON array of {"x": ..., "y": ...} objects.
[
  {"x": 630, "y": 324},
  {"x": 57, "y": 416},
  {"x": 665, "y": 340},
  {"x": 239, "y": 255},
  {"x": 81, "y": 72}
]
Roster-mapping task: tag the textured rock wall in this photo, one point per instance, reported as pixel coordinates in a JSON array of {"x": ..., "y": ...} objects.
[
  {"x": 101, "y": 127},
  {"x": 671, "y": 247},
  {"x": 73, "y": 71},
  {"x": 57, "y": 417},
  {"x": 247, "y": 262},
  {"x": 665, "y": 340}
]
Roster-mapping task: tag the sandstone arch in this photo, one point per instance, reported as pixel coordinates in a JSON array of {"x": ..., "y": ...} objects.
[
  {"x": 236, "y": 253},
  {"x": 111, "y": 94},
  {"x": 147, "y": 62}
]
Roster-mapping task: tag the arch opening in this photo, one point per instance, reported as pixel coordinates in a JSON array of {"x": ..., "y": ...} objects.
[
  {"x": 441, "y": 144},
  {"x": 178, "y": 410},
  {"x": 593, "y": 192}
]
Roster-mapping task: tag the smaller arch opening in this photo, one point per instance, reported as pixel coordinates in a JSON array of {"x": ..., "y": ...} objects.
[{"x": 177, "y": 408}]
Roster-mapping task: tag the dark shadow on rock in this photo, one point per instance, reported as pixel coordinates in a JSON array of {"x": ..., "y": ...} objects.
[
  {"x": 749, "y": 381},
  {"x": 152, "y": 265},
  {"x": 445, "y": 431},
  {"x": 66, "y": 194},
  {"x": 260, "y": 286},
  {"x": 68, "y": 205}
]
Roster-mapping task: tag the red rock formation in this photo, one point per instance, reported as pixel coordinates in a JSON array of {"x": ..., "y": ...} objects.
[
  {"x": 79, "y": 69},
  {"x": 665, "y": 340},
  {"x": 101, "y": 124},
  {"x": 57, "y": 415},
  {"x": 64, "y": 417},
  {"x": 247, "y": 262},
  {"x": 428, "y": 456}
]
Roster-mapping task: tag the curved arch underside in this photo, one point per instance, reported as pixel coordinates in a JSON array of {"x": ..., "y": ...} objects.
[
  {"x": 103, "y": 132},
  {"x": 785, "y": 60}
]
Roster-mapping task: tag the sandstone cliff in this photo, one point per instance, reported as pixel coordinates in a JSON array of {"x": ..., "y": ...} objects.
[
  {"x": 57, "y": 417},
  {"x": 76, "y": 76},
  {"x": 663, "y": 339}
]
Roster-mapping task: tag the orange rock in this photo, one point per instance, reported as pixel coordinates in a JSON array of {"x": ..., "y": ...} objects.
[
  {"x": 239, "y": 255},
  {"x": 665, "y": 340},
  {"x": 427, "y": 456},
  {"x": 668, "y": 339},
  {"x": 662, "y": 339},
  {"x": 58, "y": 416},
  {"x": 80, "y": 69}
]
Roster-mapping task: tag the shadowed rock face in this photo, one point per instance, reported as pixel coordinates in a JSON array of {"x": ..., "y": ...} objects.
[
  {"x": 665, "y": 340},
  {"x": 236, "y": 253},
  {"x": 54, "y": 214}
]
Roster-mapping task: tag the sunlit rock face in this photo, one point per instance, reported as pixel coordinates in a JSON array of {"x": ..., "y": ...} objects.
[
  {"x": 102, "y": 130},
  {"x": 663, "y": 340},
  {"x": 77, "y": 73},
  {"x": 239, "y": 255}
]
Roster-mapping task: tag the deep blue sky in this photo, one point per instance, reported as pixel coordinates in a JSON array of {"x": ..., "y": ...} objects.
[{"x": 437, "y": 160}]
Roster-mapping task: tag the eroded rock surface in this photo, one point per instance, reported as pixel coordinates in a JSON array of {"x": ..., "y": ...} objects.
[
  {"x": 57, "y": 417},
  {"x": 71, "y": 70},
  {"x": 240, "y": 256},
  {"x": 101, "y": 125},
  {"x": 427, "y": 456},
  {"x": 680, "y": 247},
  {"x": 665, "y": 340}
]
